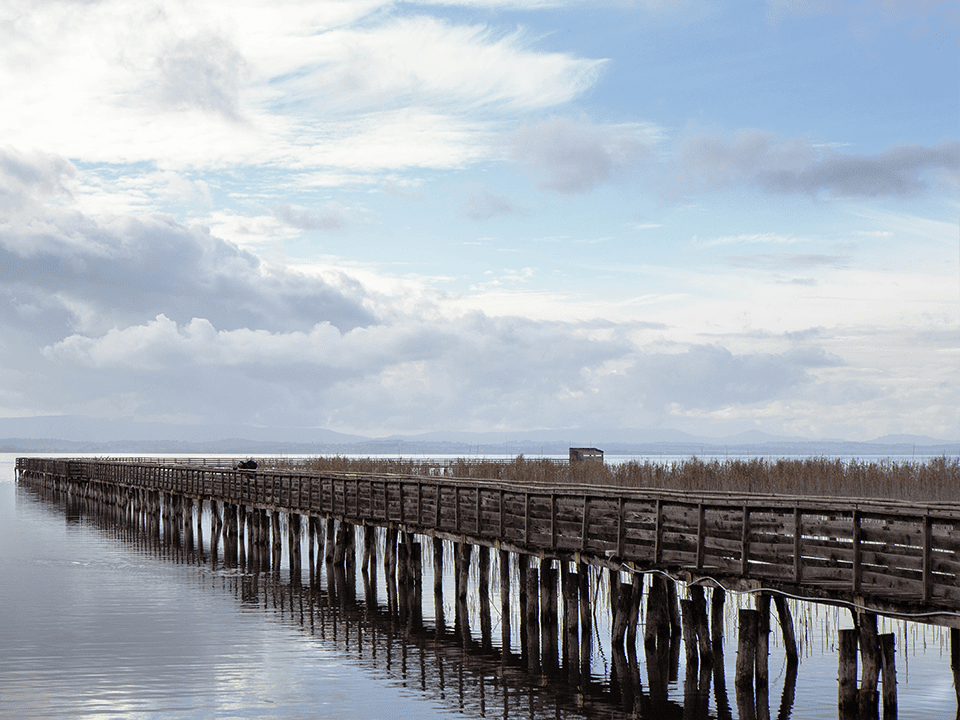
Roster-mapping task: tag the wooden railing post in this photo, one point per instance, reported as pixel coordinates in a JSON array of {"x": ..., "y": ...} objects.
[
  {"x": 745, "y": 541},
  {"x": 797, "y": 545},
  {"x": 927, "y": 558},
  {"x": 701, "y": 535},
  {"x": 857, "y": 572},
  {"x": 585, "y": 525}
]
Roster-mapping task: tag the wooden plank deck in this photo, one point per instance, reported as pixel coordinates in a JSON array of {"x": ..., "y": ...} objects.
[{"x": 884, "y": 555}]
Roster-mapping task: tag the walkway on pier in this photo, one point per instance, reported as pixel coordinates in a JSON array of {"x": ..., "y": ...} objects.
[{"x": 881, "y": 556}]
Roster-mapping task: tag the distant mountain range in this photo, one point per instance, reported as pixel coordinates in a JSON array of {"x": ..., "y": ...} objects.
[{"x": 64, "y": 433}]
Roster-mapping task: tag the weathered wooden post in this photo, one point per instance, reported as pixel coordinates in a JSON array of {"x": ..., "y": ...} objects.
[
  {"x": 187, "y": 519},
  {"x": 762, "y": 684},
  {"x": 503, "y": 557},
  {"x": 889, "y": 672},
  {"x": 586, "y": 623},
  {"x": 748, "y": 622},
  {"x": 848, "y": 675},
  {"x": 483, "y": 594},
  {"x": 869, "y": 698},
  {"x": 955, "y": 662},
  {"x": 330, "y": 541},
  {"x": 787, "y": 629},
  {"x": 462, "y": 621},
  {"x": 701, "y": 624},
  {"x": 416, "y": 584},
  {"x": 621, "y": 616},
  {"x": 369, "y": 546},
  {"x": 549, "y": 625},
  {"x": 439, "y": 619},
  {"x": 633, "y": 621},
  {"x": 403, "y": 580},
  {"x": 532, "y": 620},
  {"x": 570, "y": 587},
  {"x": 689, "y": 634},
  {"x": 293, "y": 533}
]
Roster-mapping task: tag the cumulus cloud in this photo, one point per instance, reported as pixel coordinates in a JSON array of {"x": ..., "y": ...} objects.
[
  {"x": 576, "y": 157},
  {"x": 709, "y": 161},
  {"x": 119, "y": 270},
  {"x": 107, "y": 314}
]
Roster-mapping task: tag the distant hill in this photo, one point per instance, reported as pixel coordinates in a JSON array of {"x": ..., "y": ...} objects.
[{"x": 76, "y": 434}]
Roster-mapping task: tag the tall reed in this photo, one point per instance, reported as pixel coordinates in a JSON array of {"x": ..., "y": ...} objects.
[{"x": 932, "y": 480}]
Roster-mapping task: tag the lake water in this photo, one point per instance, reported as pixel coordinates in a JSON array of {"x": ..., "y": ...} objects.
[{"x": 99, "y": 621}]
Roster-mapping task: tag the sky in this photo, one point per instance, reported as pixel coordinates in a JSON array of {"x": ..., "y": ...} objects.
[{"x": 388, "y": 217}]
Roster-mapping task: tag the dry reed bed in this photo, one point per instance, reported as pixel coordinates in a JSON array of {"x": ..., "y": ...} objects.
[{"x": 932, "y": 480}]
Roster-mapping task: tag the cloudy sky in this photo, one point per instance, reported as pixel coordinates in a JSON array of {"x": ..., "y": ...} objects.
[{"x": 380, "y": 217}]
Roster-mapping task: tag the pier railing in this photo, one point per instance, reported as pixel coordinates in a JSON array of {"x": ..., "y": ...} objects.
[{"x": 888, "y": 556}]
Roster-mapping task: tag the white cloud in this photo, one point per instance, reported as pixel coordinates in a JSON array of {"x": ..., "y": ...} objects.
[{"x": 330, "y": 85}]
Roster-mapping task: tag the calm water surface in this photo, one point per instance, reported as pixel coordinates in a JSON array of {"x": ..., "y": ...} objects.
[{"x": 95, "y": 622}]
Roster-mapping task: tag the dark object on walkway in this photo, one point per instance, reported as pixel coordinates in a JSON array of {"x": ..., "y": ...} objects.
[
  {"x": 247, "y": 465},
  {"x": 586, "y": 455}
]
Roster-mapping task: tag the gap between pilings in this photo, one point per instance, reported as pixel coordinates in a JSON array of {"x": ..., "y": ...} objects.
[{"x": 545, "y": 607}]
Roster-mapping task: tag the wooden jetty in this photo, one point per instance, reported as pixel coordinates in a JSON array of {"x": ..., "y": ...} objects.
[{"x": 875, "y": 557}]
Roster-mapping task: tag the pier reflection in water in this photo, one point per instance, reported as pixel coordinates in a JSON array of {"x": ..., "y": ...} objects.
[{"x": 543, "y": 645}]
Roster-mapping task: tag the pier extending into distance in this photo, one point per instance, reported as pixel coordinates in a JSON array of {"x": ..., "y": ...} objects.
[{"x": 875, "y": 557}]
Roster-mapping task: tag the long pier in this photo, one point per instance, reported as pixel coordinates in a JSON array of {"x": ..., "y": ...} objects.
[{"x": 875, "y": 557}]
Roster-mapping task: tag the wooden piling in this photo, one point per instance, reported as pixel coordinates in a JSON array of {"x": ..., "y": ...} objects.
[
  {"x": 437, "y": 566},
  {"x": 888, "y": 671},
  {"x": 344, "y": 529},
  {"x": 689, "y": 634},
  {"x": 330, "y": 541},
  {"x": 633, "y": 621},
  {"x": 701, "y": 623},
  {"x": 848, "y": 702},
  {"x": 505, "y": 606},
  {"x": 748, "y": 622},
  {"x": 532, "y": 620},
  {"x": 483, "y": 595},
  {"x": 869, "y": 698},
  {"x": 570, "y": 586},
  {"x": 762, "y": 684},
  {"x": 786, "y": 628},
  {"x": 549, "y": 644},
  {"x": 369, "y": 546},
  {"x": 955, "y": 663},
  {"x": 586, "y": 623}
]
